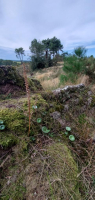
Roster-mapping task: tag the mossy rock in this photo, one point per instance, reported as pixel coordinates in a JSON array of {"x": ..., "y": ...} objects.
[
  {"x": 16, "y": 123},
  {"x": 14, "y": 120},
  {"x": 11, "y": 82},
  {"x": 54, "y": 177}
]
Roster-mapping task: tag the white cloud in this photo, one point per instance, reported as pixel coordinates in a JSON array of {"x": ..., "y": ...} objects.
[{"x": 73, "y": 22}]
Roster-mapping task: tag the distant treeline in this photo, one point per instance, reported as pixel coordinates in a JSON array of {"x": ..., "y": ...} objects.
[{"x": 10, "y": 62}]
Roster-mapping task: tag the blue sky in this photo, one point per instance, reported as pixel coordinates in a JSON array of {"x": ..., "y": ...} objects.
[{"x": 71, "y": 21}]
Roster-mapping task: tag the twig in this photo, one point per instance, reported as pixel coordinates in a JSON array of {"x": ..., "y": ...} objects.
[
  {"x": 28, "y": 94},
  {"x": 5, "y": 161}
]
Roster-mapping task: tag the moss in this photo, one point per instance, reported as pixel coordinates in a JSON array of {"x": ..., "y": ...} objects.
[
  {"x": 82, "y": 118},
  {"x": 93, "y": 101},
  {"x": 59, "y": 107},
  {"x": 53, "y": 178},
  {"x": 34, "y": 85},
  {"x": 81, "y": 100},
  {"x": 38, "y": 101},
  {"x": 7, "y": 140},
  {"x": 14, "y": 120},
  {"x": 15, "y": 190},
  {"x": 62, "y": 162},
  {"x": 15, "y": 124}
]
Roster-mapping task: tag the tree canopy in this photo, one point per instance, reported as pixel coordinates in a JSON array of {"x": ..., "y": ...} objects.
[
  {"x": 53, "y": 45},
  {"x": 42, "y": 51},
  {"x": 80, "y": 51},
  {"x": 37, "y": 48},
  {"x": 20, "y": 53}
]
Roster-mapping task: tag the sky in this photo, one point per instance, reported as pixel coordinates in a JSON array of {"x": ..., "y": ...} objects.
[{"x": 21, "y": 21}]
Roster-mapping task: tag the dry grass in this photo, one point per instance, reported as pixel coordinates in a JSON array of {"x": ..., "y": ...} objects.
[
  {"x": 93, "y": 88},
  {"x": 50, "y": 84},
  {"x": 83, "y": 79},
  {"x": 43, "y": 76},
  {"x": 50, "y": 78}
]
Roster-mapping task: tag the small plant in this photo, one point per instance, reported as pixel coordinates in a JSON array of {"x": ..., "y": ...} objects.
[
  {"x": 68, "y": 128},
  {"x": 44, "y": 113},
  {"x": 9, "y": 96},
  {"x": 45, "y": 130},
  {"x": 66, "y": 133},
  {"x": 2, "y": 126},
  {"x": 39, "y": 120},
  {"x": 34, "y": 107},
  {"x": 32, "y": 138},
  {"x": 72, "y": 138},
  {"x": 1, "y": 121},
  {"x": 51, "y": 135}
]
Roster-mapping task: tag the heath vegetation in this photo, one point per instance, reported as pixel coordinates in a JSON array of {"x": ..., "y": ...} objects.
[{"x": 47, "y": 135}]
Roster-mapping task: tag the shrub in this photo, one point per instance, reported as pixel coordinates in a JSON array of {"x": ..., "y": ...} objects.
[
  {"x": 80, "y": 51},
  {"x": 72, "y": 67},
  {"x": 73, "y": 64}
]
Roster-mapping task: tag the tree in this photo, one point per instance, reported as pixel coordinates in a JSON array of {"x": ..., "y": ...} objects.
[
  {"x": 55, "y": 45},
  {"x": 41, "y": 52},
  {"x": 46, "y": 46},
  {"x": 37, "y": 48},
  {"x": 80, "y": 51},
  {"x": 20, "y": 53},
  {"x": 37, "y": 58},
  {"x": 52, "y": 46}
]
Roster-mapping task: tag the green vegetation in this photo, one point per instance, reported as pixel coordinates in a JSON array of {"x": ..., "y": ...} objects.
[
  {"x": 72, "y": 138},
  {"x": 9, "y": 62},
  {"x": 20, "y": 53},
  {"x": 51, "y": 47},
  {"x": 80, "y": 51},
  {"x": 77, "y": 65},
  {"x": 45, "y": 130},
  {"x": 56, "y": 159},
  {"x": 46, "y": 156},
  {"x": 73, "y": 66}
]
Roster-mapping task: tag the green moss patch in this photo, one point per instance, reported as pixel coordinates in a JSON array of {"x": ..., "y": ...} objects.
[
  {"x": 15, "y": 124},
  {"x": 54, "y": 176}
]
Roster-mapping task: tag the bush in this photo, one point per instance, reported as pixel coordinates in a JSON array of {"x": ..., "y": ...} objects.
[
  {"x": 80, "y": 51},
  {"x": 74, "y": 65},
  {"x": 37, "y": 63},
  {"x": 41, "y": 62},
  {"x": 69, "y": 77}
]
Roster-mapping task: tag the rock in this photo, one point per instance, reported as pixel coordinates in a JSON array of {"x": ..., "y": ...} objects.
[
  {"x": 89, "y": 100},
  {"x": 72, "y": 88},
  {"x": 89, "y": 93},
  {"x": 66, "y": 107},
  {"x": 55, "y": 115}
]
